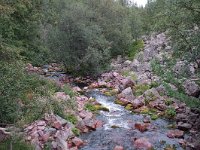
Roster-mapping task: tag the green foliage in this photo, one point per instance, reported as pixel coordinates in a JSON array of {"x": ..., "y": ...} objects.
[
  {"x": 16, "y": 144},
  {"x": 19, "y": 26},
  {"x": 71, "y": 118},
  {"x": 190, "y": 101},
  {"x": 168, "y": 101},
  {"x": 154, "y": 116},
  {"x": 135, "y": 48},
  {"x": 170, "y": 112},
  {"x": 76, "y": 131},
  {"x": 90, "y": 107},
  {"x": 140, "y": 89},
  {"x": 68, "y": 90}
]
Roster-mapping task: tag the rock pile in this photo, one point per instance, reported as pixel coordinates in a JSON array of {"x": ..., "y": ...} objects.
[{"x": 58, "y": 132}]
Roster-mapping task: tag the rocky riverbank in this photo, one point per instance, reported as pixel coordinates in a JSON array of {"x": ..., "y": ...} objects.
[{"x": 131, "y": 110}]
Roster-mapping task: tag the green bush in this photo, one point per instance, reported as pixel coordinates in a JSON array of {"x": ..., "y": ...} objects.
[
  {"x": 19, "y": 91},
  {"x": 71, "y": 118},
  {"x": 135, "y": 48},
  {"x": 170, "y": 112},
  {"x": 15, "y": 144}
]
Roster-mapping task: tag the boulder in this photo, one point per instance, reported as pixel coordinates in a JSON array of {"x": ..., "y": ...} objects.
[
  {"x": 127, "y": 62},
  {"x": 191, "y": 88},
  {"x": 126, "y": 82},
  {"x": 134, "y": 65},
  {"x": 184, "y": 126},
  {"x": 179, "y": 67},
  {"x": 128, "y": 94},
  {"x": 138, "y": 102}
]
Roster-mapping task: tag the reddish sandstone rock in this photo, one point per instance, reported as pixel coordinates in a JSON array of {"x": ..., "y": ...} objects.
[
  {"x": 136, "y": 103},
  {"x": 175, "y": 133},
  {"x": 143, "y": 143},
  {"x": 57, "y": 125},
  {"x": 141, "y": 126},
  {"x": 127, "y": 94},
  {"x": 98, "y": 124},
  {"x": 77, "y": 141},
  {"x": 118, "y": 148},
  {"x": 127, "y": 82}
]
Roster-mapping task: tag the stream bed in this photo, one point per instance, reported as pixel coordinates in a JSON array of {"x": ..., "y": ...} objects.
[{"x": 119, "y": 128}]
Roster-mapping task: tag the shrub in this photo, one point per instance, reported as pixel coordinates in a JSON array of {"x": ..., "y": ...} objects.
[
  {"x": 135, "y": 48},
  {"x": 71, "y": 118},
  {"x": 17, "y": 144},
  {"x": 170, "y": 112}
]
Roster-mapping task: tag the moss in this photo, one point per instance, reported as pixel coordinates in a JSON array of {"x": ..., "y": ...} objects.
[
  {"x": 145, "y": 110},
  {"x": 76, "y": 131},
  {"x": 94, "y": 108},
  {"x": 108, "y": 93},
  {"x": 100, "y": 107},
  {"x": 90, "y": 107},
  {"x": 129, "y": 107},
  {"x": 115, "y": 126},
  {"x": 114, "y": 92},
  {"x": 170, "y": 147},
  {"x": 119, "y": 102},
  {"x": 154, "y": 116}
]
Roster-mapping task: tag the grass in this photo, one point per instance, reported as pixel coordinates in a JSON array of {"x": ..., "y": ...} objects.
[
  {"x": 90, "y": 107},
  {"x": 71, "y": 118},
  {"x": 67, "y": 89},
  {"x": 140, "y": 89}
]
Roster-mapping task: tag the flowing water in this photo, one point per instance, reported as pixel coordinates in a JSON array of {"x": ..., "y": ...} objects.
[{"x": 118, "y": 128}]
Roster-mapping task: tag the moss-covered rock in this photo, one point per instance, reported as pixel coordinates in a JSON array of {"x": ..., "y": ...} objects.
[
  {"x": 129, "y": 107},
  {"x": 121, "y": 102},
  {"x": 100, "y": 107},
  {"x": 154, "y": 116}
]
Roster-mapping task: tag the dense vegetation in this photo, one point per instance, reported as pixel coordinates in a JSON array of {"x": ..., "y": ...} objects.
[{"x": 83, "y": 35}]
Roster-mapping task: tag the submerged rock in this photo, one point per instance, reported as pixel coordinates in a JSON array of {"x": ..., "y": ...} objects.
[
  {"x": 143, "y": 143},
  {"x": 118, "y": 148},
  {"x": 141, "y": 126},
  {"x": 175, "y": 133}
]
